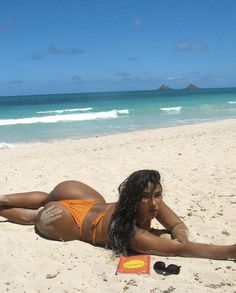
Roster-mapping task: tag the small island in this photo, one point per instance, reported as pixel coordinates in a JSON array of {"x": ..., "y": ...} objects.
[
  {"x": 191, "y": 87},
  {"x": 164, "y": 88}
]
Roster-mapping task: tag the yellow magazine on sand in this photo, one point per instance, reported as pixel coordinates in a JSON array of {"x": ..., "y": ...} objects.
[{"x": 139, "y": 264}]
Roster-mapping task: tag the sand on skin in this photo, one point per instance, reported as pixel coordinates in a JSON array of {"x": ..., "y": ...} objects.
[{"x": 198, "y": 168}]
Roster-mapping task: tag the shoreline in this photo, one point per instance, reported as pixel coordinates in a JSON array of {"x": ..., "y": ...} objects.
[
  {"x": 198, "y": 169},
  {"x": 6, "y": 145}
]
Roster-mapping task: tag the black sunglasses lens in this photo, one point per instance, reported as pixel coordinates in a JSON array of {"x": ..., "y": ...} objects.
[
  {"x": 159, "y": 266},
  {"x": 173, "y": 269}
]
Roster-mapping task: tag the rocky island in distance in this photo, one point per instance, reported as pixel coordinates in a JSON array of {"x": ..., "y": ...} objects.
[
  {"x": 192, "y": 87},
  {"x": 164, "y": 88},
  {"x": 167, "y": 88}
]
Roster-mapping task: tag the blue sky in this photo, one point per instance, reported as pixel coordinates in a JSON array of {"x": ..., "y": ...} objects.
[{"x": 69, "y": 46}]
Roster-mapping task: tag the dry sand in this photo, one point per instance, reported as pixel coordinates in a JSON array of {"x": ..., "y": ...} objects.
[{"x": 198, "y": 168}]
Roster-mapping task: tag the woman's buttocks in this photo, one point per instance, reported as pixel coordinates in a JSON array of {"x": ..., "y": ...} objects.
[{"x": 55, "y": 222}]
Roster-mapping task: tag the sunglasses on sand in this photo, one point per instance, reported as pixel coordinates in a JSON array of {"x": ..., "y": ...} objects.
[{"x": 160, "y": 268}]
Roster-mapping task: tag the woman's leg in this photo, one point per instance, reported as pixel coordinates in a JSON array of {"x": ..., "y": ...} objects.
[
  {"x": 22, "y": 208},
  {"x": 19, "y": 215},
  {"x": 28, "y": 200}
]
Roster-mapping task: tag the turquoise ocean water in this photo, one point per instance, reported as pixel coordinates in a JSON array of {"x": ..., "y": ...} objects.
[{"x": 60, "y": 116}]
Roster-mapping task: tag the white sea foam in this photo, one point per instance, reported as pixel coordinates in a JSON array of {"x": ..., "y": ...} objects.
[
  {"x": 232, "y": 102},
  {"x": 4, "y": 146},
  {"x": 125, "y": 111},
  {"x": 66, "y": 110},
  {"x": 67, "y": 117},
  {"x": 192, "y": 121},
  {"x": 170, "y": 109}
]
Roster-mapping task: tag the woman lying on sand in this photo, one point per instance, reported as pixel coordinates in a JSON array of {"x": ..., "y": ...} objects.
[{"x": 75, "y": 211}]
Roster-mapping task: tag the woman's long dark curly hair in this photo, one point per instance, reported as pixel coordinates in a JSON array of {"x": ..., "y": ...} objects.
[{"x": 122, "y": 226}]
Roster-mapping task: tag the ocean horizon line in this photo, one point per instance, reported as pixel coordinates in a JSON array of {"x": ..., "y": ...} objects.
[{"x": 121, "y": 91}]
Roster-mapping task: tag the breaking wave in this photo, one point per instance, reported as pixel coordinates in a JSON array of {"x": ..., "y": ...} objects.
[
  {"x": 66, "y": 110},
  {"x": 172, "y": 109},
  {"x": 113, "y": 114}
]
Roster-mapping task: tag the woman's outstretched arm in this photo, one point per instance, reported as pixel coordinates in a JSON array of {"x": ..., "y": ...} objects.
[{"x": 147, "y": 243}]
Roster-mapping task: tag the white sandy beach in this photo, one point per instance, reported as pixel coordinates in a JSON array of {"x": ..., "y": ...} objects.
[{"x": 198, "y": 168}]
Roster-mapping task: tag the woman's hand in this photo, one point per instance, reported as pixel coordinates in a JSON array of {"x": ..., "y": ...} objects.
[
  {"x": 173, "y": 223},
  {"x": 234, "y": 251},
  {"x": 180, "y": 232}
]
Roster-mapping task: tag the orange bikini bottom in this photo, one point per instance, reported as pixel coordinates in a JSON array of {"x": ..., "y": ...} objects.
[{"x": 79, "y": 208}]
